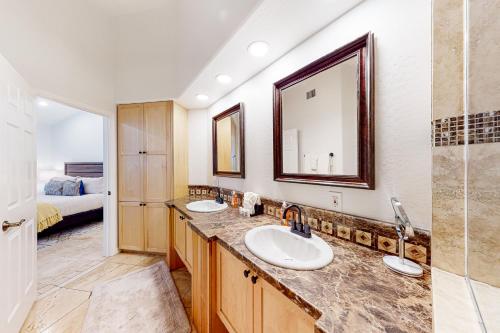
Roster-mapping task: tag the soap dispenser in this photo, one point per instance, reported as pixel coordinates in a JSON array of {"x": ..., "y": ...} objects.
[{"x": 284, "y": 220}]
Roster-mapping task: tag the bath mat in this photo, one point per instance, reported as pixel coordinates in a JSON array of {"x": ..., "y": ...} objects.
[{"x": 141, "y": 301}]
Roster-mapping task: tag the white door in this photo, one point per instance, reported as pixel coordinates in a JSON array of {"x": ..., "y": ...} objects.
[
  {"x": 291, "y": 151},
  {"x": 17, "y": 200}
]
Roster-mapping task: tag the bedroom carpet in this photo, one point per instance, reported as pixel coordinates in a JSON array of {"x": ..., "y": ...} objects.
[
  {"x": 142, "y": 301},
  {"x": 68, "y": 254},
  {"x": 63, "y": 309}
]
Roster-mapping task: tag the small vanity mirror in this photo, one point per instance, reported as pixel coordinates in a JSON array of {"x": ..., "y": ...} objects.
[
  {"x": 228, "y": 143},
  {"x": 323, "y": 120}
]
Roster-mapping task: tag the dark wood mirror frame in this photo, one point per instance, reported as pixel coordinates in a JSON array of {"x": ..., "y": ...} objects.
[
  {"x": 365, "y": 179},
  {"x": 238, "y": 108}
]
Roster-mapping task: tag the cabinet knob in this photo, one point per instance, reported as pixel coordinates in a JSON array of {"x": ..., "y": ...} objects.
[
  {"x": 182, "y": 217},
  {"x": 254, "y": 279},
  {"x": 246, "y": 272}
]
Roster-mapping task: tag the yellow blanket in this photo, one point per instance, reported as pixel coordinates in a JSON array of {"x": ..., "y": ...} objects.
[{"x": 47, "y": 215}]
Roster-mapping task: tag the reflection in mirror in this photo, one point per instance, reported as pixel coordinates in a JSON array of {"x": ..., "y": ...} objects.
[
  {"x": 320, "y": 122},
  {"x": 323, "y": 115},
  {"x": 228, "y": 143}
]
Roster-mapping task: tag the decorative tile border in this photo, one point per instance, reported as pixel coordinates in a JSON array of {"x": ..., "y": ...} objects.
[
  {"x": 377, "y": 235},
  {"x": 482, "y": 127}
]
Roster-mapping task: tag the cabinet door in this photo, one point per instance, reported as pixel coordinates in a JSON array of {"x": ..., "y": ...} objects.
[
  {"x": 156, "y": 187},
  {"x": 180, "y": 234},
  {"x": 276, "y": 313},
  {"x": 157, "y": 132},
  {"x": 130, "y": 186},
  {"x": 234, "y": 293},
  {"x": 130, "y": 129},
  {"x": 155, "y": 227},
  {"x": 189, "y": 248},
  {"x": 131, "y": 226}
]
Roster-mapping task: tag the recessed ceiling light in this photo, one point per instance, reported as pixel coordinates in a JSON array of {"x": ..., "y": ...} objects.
[
  {"x": 202, "y": 97},
  {"x": 43, "y": 103},
  {"x": 223, "y": 78},
  {"x": 258, "y": 49}
]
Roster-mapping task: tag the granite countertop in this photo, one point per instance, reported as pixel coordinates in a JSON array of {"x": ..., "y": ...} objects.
[{"x": 355, "y": 293}]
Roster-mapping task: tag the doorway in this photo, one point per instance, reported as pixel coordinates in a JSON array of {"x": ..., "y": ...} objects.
[{"x": 71, "y": 193}]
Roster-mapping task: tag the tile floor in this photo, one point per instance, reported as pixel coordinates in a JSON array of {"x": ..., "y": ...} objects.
[{"x": 70, "y": 266}]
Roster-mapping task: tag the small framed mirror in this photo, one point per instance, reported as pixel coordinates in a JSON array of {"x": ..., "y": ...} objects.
[
  {"x": 228, "y": 143},
  {"x": 324, "y": 120}
]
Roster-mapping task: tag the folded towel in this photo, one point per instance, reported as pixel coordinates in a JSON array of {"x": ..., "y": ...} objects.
[{"x": 251, "y": 199}]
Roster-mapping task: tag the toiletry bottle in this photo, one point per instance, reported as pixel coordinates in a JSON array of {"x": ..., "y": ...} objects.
[
  {"x": 234, "y": 199},
  {"x": 284, "y": 220}
]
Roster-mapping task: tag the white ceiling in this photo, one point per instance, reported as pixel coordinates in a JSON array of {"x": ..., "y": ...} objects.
[
  {"x": 115, "y": 8},
  {"x": 53, "y": 113},
  {"x": 161, "y": 45},
  {"x": 282, "y": 23}
]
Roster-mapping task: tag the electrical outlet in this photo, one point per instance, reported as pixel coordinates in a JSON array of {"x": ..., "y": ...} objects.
[{"x": 336, "y": 200}]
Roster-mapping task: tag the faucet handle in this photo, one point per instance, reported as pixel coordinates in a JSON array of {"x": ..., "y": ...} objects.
[{"x": 307, "y": 230}]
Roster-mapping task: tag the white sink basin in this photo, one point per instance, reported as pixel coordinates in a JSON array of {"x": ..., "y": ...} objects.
[
  {"x": 206, "y": 206},
  {"x": 278, "y": 246}
]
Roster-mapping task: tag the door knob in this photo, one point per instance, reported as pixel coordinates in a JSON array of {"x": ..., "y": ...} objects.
[{"x": 6, "y": 224}]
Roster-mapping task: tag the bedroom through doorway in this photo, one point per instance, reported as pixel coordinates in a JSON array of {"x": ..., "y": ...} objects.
[{"x": 71, "y": 194}]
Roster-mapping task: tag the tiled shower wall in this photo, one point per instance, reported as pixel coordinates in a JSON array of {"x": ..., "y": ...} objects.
[
  {"x": 448, "y": 164},
  {"x": 471, "y": 138},
  {"x": 483, "y": 193}
]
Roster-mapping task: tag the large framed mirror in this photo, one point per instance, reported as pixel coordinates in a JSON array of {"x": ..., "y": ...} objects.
[
  {"x": 228, "y": 143},
  {"x": 324, "y": 120}
]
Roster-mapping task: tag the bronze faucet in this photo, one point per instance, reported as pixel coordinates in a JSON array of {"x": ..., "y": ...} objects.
[{"x": 297, "y": 227}]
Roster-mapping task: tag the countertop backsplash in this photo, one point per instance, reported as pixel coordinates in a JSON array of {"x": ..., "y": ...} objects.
[{"x": 377, "y": 235}]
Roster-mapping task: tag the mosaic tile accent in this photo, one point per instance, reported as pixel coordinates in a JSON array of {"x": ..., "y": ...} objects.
[
  {"x": 313, "y": 223},
  {"x": 415, "y": 252},
  {"x": 387, "y": 244},
  {"x": 483, "y": 127},
  {"x": 378, "y": 235},
  {"x": 364, "y": 237},
  {"x": 344, "y": 232},
  {"x": 327, "y": 227}
]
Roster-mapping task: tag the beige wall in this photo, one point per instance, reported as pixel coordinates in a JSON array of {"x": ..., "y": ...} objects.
[
  {"x": 483, "y": 194},
  {"x": 448, "y": 222}
]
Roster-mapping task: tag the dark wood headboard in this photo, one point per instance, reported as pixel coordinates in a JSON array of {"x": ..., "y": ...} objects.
[{"x": 83, "y": 169}]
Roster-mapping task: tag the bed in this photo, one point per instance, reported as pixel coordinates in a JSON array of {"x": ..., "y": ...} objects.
[{"x": 74, "y": 210}]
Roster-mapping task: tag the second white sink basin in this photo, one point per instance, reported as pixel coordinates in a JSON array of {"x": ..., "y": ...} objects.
[
  {"x": 206, "y": 206},
  {"x": 278, "y": 246}
]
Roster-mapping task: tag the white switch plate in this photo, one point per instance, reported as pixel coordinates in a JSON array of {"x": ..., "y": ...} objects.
[{"x": 336, "y": 200}]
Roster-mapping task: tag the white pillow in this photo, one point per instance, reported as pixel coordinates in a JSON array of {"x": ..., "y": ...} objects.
[
  {"x": 93, "y": 185},
  {"x": 64, "y": 178}
]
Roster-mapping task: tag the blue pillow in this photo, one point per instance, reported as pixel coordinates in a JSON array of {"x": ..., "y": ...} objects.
[
  {"x": 82, "y": 188},
  {"x": 54, "y": 187},
  {"x": 71, "y": 188}
]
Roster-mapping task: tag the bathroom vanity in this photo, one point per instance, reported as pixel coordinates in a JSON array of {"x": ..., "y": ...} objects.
[{"x": 235, "y": 291}]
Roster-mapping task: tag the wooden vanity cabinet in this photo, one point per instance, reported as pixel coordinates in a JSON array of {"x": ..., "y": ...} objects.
[
  {"x": 183, "y": 239},
  {"x": 131, "y": 226},
  {"x": 150, "y": 135},
  {"x": 247, "y": 303},
  {"x": 234, "y": 292},
  {"x": 203, "y": 279},
  {"x": 274, "y": 312},
  {"x": 143, "y": 227}
]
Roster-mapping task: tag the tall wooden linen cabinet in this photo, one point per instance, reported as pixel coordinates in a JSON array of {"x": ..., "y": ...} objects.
[{"x": 152, "y": 169}]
